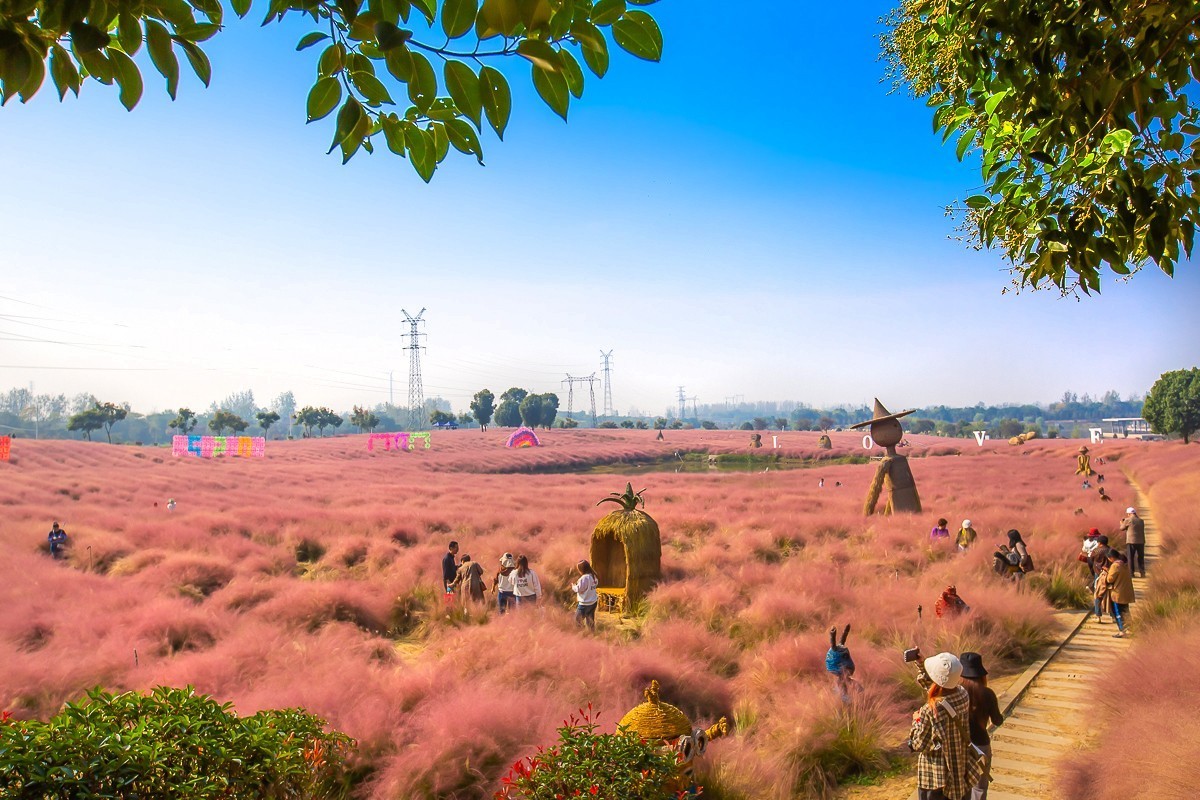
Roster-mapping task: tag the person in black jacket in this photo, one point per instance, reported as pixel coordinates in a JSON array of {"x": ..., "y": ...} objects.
[
  {"x": 450, "y": 565},
  {"x": 984, "y": 709}
]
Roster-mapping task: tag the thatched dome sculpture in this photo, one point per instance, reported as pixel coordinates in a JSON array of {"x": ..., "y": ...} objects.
[
  {"x": 825, "y": 443},
  {"x": 626, "y": 550},
  {"x": 655, "y": 719}
]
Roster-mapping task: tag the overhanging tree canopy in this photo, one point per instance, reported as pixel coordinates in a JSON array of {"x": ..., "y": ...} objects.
[
  {"x": 363, "y": 42},
  {"x": 1082, "y": 117}
]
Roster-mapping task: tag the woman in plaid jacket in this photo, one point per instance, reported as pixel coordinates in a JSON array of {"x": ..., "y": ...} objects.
[{"x": 941, "y": 733}]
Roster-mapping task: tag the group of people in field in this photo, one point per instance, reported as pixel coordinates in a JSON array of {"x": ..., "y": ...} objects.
[
  {"x": 514, "y": 584},
  {"x": 1110, "y": 571},
  {"x": 1011, "y": 560}
]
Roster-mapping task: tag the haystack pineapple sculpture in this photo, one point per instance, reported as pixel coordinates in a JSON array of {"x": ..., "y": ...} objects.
[
  {"x": 1083, "y": 463},
  {"x": 893, "y": 472},
  {"x": 655, "y": 720},
  {"x": 626, "y": 549}
]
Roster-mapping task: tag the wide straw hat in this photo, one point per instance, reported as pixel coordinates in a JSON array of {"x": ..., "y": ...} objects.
[
  {"x": 882, "y": 415},
  {"x": 1083, "y": 450},
  {"x": 972, "y": 665},
  {"x": 654, "y": 719}
]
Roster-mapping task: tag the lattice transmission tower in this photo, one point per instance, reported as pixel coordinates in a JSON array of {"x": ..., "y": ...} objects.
[
  {"x": 590, "y": 380},
  {"x": 683, "y": 398},
  {"x": 416, "y": 391},
  {"x": 608, "y": 404}
]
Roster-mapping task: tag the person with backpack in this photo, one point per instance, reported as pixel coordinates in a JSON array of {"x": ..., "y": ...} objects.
[
  {"x": 1024, "y": 561},
  {"x": 941, "y": 734},
  {"x": 965, "y": 538},
  {"x": 58, "y": 541}
]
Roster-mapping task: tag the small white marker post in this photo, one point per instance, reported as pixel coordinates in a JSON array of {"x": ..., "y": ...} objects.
[
  {"x": 868, "y": 442},
  {"x": 1097, "y": 435}
]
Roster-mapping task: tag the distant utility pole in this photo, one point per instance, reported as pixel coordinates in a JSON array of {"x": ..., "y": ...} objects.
[
  {"x": 695, "y": 413},
  {"x": 682, "y": 402},
  {"x": 590, "y": 380},
  {"x": 608, "y": 404},
  {"x": 416, "y": 391}
]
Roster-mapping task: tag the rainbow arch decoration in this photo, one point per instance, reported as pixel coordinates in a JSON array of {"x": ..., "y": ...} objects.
[
  {"x": 523, "y": 437},
  {"x": 399, "y": 441},
  {"x": 5, "y": 447},
  {"x": 213, "y": 446}
]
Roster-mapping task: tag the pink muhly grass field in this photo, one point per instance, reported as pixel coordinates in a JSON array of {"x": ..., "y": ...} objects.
[{"x": 311, "y": 577}]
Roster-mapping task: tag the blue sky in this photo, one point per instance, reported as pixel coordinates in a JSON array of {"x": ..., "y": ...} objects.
[{"x": 750, "y": 217}]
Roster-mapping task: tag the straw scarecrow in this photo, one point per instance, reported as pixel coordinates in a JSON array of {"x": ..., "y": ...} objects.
[
  {"x": 1084, "y": 463},
  {"x": 626, "y": 549},
  {"x": 654, "y": 720},
  {"x": 893, "y": 471}
]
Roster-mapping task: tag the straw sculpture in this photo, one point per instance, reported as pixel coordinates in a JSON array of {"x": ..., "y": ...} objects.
[
  {"x": 893, "y": 472},
  {"x": 1084, "y": 463},
  {"x": 626, "y": 550},
  {"x": 825, "y": 443}
]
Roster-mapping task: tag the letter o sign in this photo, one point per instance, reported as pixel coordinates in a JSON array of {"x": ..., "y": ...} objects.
[{"x": 868, "y": 442}]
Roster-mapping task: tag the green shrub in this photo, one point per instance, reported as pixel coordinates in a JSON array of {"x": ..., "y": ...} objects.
[
  {"x": 606, "y": 766},
  {"x": 171, "y": 743},
  {"x": 1063, "y": 587}
]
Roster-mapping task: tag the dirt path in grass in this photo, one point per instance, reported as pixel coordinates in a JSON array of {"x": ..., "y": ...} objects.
[{"x": 1045, "y": 707}]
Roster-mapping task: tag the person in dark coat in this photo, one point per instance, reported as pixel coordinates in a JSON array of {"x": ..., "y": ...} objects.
[
  {"x": 985, "y": 708},
  {"x": 1135, "y": 541},
  {"x": 450, "y": 565}
]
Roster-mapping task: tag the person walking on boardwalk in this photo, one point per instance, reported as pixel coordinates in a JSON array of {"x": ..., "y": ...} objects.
[
  {"x": 985, "y": 708},
  {"x": 1100, "y": 602},
  {"x": 1135, "y": 541},
  {"x": 1120, "y": 589},
  {"x": 941, "y": 734}
]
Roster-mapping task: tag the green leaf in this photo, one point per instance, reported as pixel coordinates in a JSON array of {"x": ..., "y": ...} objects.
[
  {"x": 162, "y": 55},
  {"x": 637, "y": 34},
  {"x": 441, "y": 142},
  {"x": 197, "y": 59},
  {"x": 63, "y": 72},
  {"x": 426, "y": 7},
  {"x": 994, "y": 100},
  {"x": 552, "y": 88},
  {"x": 462, "y": 136},
  {"x": 498, "y": 18},
  {"x": 87, "y": 38},
  {"x": 399, "y": 63},
  {"x": 978, "y": 201},
  {"x": 594, "y": 47},
  {"x": 323, "y": 98},
  {"x": 200, "y": 32},
  {"x": 389, "y": 36},
  {"x": 964, "y": 142},
  {"x": 497, "y": 99},
  {"x": 420, "y": 151},
  {"x": 393, "y": 133},
  {"x": 97, "y": 65},
  {"x": 372, "y": 89},
  {"x": 127, "y": 77},
  {"x": 463, "y": 85},
  {"x": 540, "y": 54},
  {"x": 309, "y": 39},
  {"x": 332, "y": 61},
  {"x": 606, "y": 12},
  {"x": 458, "y": 17},
  {"x": 572, "y": 72},
  {"x": 129, "y": 32},
  {"x": 241, "y": 7},
  {"x": 347, "y": 121},
  {"x": 34, "y": 80},
  {"x": 422, "y": 86}
]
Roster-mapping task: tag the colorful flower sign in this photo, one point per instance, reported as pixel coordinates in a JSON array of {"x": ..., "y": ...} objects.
[
  {"x": 398, "y": 441},
  {"x": 523, "y": 437},
  {"x": 212, "y": 446}
]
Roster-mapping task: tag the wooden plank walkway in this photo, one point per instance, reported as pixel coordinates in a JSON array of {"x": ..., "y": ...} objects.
[{"x": 1046, "y": 710}]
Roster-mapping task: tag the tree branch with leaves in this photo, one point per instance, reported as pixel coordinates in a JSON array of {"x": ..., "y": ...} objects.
[{"x": 367, "y": 45}]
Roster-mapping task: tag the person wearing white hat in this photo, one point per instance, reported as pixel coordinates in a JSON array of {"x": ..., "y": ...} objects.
[
  {"x": 941, "y": 733},
  {"x": 503, "y": 584},
  {"x": 966, "y": 536},
  {"x": 1135, "y": 541}
]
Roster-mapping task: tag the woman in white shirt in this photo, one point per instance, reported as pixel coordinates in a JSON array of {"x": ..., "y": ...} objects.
[
  {"x": 526, "y": 585},
  {"x": 585, "y": 595}
]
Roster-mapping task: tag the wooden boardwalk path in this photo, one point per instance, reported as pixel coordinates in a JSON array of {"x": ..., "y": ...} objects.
[{"x": 1046, "y": 710}]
